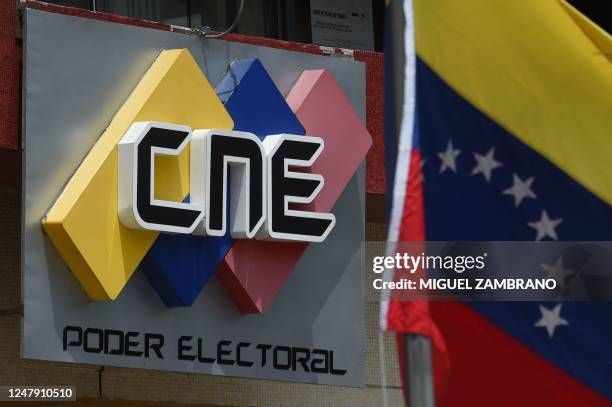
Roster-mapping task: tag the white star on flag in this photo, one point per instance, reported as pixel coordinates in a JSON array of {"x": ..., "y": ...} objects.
[
  {"x": 557, "y": 272},
  {"x": 485, "y": 164},
  {"x": 448, "y": 158},
  {"x": 551, "y": 319},
  {"x": 520, "y": 189},
  {"x": 545, "y": 227}
]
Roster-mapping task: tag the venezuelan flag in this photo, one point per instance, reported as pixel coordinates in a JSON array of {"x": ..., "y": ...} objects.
[{"x": 513, "y": 129}]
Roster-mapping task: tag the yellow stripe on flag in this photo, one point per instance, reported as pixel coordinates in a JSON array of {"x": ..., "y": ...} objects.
[{"x": 538, "y": 68}]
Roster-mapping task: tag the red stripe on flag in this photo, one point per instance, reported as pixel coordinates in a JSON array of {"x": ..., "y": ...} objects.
[
  {"x": 414, "y": 316},
  {"x": 412, "y": 226},
  {"x": 488, "y": 367}
]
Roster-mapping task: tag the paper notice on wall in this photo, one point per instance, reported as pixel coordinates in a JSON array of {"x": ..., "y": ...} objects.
[{"x": 342, "y": 23}]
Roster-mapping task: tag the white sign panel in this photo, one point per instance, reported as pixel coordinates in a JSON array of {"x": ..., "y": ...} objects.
[{"x": 313, "y": 329}]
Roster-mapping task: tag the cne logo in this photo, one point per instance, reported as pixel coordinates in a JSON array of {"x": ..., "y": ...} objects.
[
  {"x": 190, "y": 181},
  {"x": 264, "y": 183}
]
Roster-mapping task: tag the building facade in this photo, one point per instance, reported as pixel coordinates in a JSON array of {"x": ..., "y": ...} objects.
[{"x": 100, "y": 385}]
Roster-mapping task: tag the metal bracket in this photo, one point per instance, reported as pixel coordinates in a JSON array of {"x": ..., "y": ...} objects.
[
  {"x": 337, "y": 52},
  {"x": 20, "y": 11}
]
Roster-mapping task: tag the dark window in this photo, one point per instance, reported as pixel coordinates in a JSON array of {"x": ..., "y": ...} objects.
[
  {"x": 280, "y": 19},
  {"x": 167, "y": 11},
  {"x": 88, "y": 4}
]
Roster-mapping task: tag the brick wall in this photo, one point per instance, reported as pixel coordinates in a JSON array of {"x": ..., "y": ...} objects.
[{"x": 10, "y": 77}]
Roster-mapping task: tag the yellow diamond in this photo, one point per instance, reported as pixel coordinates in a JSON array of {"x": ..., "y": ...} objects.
[{"x": 83, "y": 223}]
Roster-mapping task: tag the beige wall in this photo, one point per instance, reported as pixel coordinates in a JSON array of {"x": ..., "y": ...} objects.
[{"x": 109, "y": 386}]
